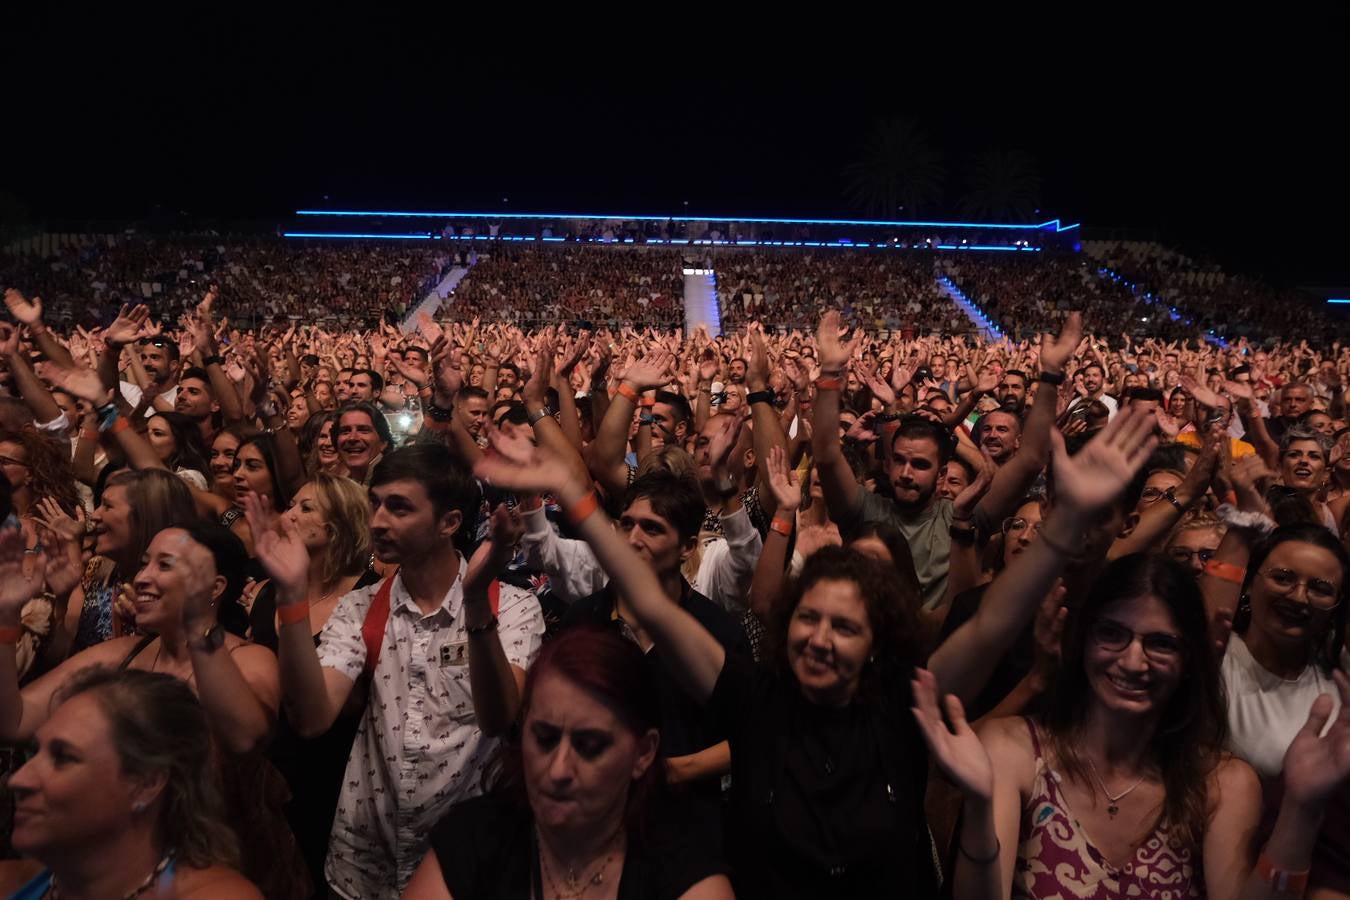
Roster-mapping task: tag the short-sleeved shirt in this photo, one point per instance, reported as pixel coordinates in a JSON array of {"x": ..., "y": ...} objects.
[
  {"x": 419, "y": 749},
  {"x": 928, "y": 532}
]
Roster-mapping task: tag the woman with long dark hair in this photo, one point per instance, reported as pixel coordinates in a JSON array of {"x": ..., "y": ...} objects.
[
  {"x": 828, "y": 766},
  {"x": 1124, "y": 786}
]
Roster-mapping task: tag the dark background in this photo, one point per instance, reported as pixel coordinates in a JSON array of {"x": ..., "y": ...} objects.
[{"x": 1228, "y": 145}]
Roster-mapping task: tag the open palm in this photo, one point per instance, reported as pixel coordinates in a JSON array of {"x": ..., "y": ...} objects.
[
  {"x": 1104, "y": 467},
  {"x": 957, "y": 750},
  {"x": 1316, "y": 764}
]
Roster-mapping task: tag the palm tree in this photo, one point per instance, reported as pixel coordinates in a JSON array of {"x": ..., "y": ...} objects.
[
  {"x": 899, "y": 167},
  {"x": 1003, "y": 185}
]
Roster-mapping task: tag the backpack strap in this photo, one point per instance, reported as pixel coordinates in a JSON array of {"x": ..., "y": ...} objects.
[
  {"x": 372, "y": 628},
  {"x": 377, "y": 619}
]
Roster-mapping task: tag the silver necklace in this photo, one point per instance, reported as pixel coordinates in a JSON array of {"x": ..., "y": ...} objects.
[{"x": 1113, "y": 803}]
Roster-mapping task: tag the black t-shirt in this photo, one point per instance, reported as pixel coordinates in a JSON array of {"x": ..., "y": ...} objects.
[
  {"x": 824, "y": 802},
  {"x": 1012, "y": 667},
  {"x": 485, "y": 847}
]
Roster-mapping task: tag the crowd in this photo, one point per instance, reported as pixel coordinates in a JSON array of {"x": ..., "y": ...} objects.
[
  {"x": 1214, "y": 299},
  {"x": 350, "y": 285},
  {"x": 490, "y": 609},
  {"x": 612, "y": 285},
  {"x": 788, "y": 288}
]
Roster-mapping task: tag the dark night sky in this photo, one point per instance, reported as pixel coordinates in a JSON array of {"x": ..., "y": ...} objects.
[{"x": 1227, "y": 152}]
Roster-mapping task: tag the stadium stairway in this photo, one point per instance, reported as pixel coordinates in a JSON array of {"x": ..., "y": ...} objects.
[
  {"x": 988, "y": 330},
  {"x": 432, "y": 301},
  {"x": 701, "y": 305}
]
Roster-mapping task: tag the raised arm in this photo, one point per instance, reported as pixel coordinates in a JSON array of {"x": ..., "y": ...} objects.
[
  {"x": 29, "y": 312},
  {"x": 313, "y": 694},
  {"x": 1012, "y": 480},
  {"x": 494, "y": 683},
  {"x": 766, "y": 585},
  {"x": 31, "y": 388},
  {"x": 836, "y": 478},
  {"x": 694, "y": 656},
  {"x": 767, "y": 432},
  {"x": 611, "y": 438},
  {"x": 1085, "y": 484}
]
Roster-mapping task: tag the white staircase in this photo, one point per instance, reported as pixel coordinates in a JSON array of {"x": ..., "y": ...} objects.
[
  {"x": 432, "y": 301},
  {"x": 701, "y": 306}
]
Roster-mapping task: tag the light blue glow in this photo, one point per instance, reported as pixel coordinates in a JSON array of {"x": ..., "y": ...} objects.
[
  {"x": 1052, "y": 225},
  {"x": 1338, "y": 300},
  {"x": 377, "y": 237}
]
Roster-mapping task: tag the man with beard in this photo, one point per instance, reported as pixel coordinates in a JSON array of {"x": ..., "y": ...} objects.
[
  {"x": 362, "y": 438},
  {"x": 160, "y": 359},
  {"x": 999, "y": 433},
  {"x": 1012, "y": 392},
  {"x": 430, "y": 732},
  {"x": 1094, "y": 386},
  {"x": 193, "y": 397},
  {"x": 916, "y": 454}
]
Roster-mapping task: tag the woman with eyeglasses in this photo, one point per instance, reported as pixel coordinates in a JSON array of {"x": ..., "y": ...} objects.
[
  {"x": 1285, "y": 596},
  {"x": 1123, "y": 787}
]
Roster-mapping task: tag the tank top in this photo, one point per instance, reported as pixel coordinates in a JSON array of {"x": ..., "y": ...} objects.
[{"x": 1056, "y": 857}]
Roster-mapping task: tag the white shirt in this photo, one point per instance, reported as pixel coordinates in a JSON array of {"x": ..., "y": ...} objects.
[
  {"x": 1264, "y": 710},
  {"x": 724, "y": 572},
  {"x": 419, "y": 749}
]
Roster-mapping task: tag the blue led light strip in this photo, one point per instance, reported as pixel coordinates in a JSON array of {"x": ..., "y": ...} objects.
[
  {"x": 375, "y": 237},
  {"x": 1052, "y": 225},
  {"x": 1338, "y": 300}
]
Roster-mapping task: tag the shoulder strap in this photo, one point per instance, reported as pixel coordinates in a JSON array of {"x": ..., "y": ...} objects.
[
  {"x": 145, "y": 641},
  {"x": 377, "y": 617},
  {"x": 372, "y": 628},
  {"x": 1035, "y": 736}
]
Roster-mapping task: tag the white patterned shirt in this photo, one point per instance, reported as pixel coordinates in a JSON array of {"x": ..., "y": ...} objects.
[{"x": 419, "y": 749}]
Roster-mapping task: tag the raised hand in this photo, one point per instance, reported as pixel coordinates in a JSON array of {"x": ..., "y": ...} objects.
[
  {"x": 49, "y": 515},
  {"x": 957, "y": 750},
  {"x": 1099, "y": 472},
  {"x": 652, "y": 371},
  {"x": 964, "y": 503},
  {"x": 20, "y": 581},
  {"x": 448, "y": 379},
  {"x": 724, "y": 438},
  {"x": 1202, "y": 394},
  {"x": 757, "y": 368},
  {"x": 127, "y": 326},
  {"x": 535, "y": 390},
  {"x": 279, "y": 548},
  {"x": 833, "y": 354},
  {"x": 783, "y": 481},
  {"x": 82, "y": 383},
  {"x": 517, "y": 464},
  {"x": 29, "y": 312},
  {"x": 864, "y": 430},
  {"x": 879, "y": 388},
  {"x": 1056, "y": 351},
  {"x": 1316, "y": 764}
]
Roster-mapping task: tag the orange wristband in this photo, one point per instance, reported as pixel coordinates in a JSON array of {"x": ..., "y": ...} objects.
[
  {"x": 120, "y": 425},
  {"x": 583, "y": 508},
  {"x": 1282, "y": 881},
  {"x": 781, "y": 525},
  {"x": 829, "y": 383},
  {"x": 1225, "y": 571},
  {"x": 291, "y": 613},
  {"x": 1231, "y": 498},
  {"x": 625, "y": 391},
  {"x": 647, "y": 402},
  {"x": 11, "y": 636}
]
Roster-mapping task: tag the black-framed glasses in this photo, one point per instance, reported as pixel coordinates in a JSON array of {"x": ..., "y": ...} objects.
[
  {"x": 1184, "y": 555},
  {"x": 1320, "y": 592},
  {"x": 1159, "y": 646}
]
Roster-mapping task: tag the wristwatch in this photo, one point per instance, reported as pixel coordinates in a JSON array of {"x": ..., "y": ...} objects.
[{"x": 210, "y": 640}]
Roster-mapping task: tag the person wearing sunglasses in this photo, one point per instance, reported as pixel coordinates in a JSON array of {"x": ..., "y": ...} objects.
[{"x": 1284, "y": 594}]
